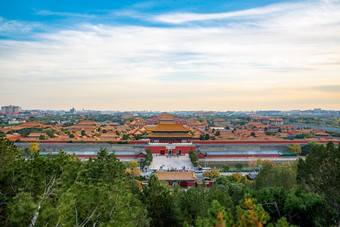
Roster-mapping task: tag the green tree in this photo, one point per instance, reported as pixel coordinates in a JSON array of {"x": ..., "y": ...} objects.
[
  {"x": 8, "y": 153},
  {"x": 305, "y": 149},
  {"x": 125, "y": 137},
  {"x": 238, "y": 166},
  {"x": 251, "y": 214},
  {"x": 193, "y": 157},
  {"x": 148, "y": 157},
  {"x": 133, "y": 164},
  {"x": 83, "y": 132},
  {"x": 277, "y": 176},
  {"x": 225, "y": 168},
  {"x": 2, "y": 134},
  {"x": 33, "y": 148},
  {"x": 217, "y": 216},
  {"x": 294, "y": 149},
  {"x": 193, "y": 203},
  {"x": 21, "y": 209},
  {"x": 211, "y": 174},
  {"x": 159, "y": 203},
  {"x": 253, "y": 134},
  {"x": 320, "y": 173}
]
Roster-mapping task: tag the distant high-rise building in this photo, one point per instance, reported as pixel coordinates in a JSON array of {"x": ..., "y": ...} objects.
[
  {"x": 11, "y": 109},
  {"x": 72, "y": 110}
]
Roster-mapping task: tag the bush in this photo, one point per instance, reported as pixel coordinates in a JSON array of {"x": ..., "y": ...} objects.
[
  {"x": 225, "y": 168},
  {"x": 211, "y": 174},
  {"x": 193, "y": 157},
  {"x": 238, "y": 166}
]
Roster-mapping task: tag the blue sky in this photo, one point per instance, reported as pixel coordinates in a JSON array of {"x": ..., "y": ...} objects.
[{"x": 170, "y": 55}]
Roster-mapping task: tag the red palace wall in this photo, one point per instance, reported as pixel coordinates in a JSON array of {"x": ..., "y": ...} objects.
[
  {"x": 95, "y": 156},
  {"x": 243, "y": 156},
  {"x": 158, "y": 149}
]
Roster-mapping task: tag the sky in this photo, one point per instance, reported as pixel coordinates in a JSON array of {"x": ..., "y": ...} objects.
[{"x": 170, "y": 55}]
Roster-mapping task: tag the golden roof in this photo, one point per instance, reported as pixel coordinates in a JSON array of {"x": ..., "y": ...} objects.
[
  {"x": 177, "y": 176},
  {"x": 169, "y": 135},
  {"x": 170, "y": 128}
]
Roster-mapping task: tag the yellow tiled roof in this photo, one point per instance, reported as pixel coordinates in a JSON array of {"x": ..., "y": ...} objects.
[
  {"x": 178, "y": 176},
  {"x": 170, "y": 135},
  {"x": 170, "y": 128}
]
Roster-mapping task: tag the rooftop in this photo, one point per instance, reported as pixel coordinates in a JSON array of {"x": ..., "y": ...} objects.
[
  {"x": 170, "y": 128},
  {"x": 177, "y": 176}
]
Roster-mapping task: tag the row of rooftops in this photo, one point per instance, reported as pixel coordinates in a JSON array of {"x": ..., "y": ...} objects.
[{"x": 165, "y": 129}]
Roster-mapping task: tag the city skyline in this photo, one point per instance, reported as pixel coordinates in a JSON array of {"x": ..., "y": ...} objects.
[{"x": 170, "y": 55}]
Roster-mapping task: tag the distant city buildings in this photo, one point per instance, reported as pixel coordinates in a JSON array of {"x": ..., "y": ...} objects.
[{"x": 11, "y": 109}]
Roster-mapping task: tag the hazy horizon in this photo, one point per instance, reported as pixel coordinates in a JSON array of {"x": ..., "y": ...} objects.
[{"x": 170, "y": 55}]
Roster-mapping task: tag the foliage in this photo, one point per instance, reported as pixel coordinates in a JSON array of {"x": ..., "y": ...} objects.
[
  {"x": 26, "y": 131},
  {"x": 8, "y": 153},
  {"x": 240, "y": 178},
  {"x": 125, "y": 137},
  {"x": 270, "y": 133},
  {"x": 301, "y": 208},
  {"x": 217, "y": 216},
  {"x": 225, "y": 168},
  {"x": 193, "y": 157},
  {"x": 50, "y": 132},
  {"x": 159, "y": 203},
  {"x": 134, "y": 172},
  {"x": 305, "y": 149},
  {"x": 133, "y": 164},
  {"x": 61, "y": 190},
  {"x": 334, "y": 133},
  {"x": 211, "y": 174},
  {"x": 276, "y": 176},
  {"x": 320, "y": 173},
  {"x": 238, "y": 166},
  {"x": 2, "y": 134},
  {"x": 205, "y": 136},
  {"x": 294, "y": 149},
  {"x": 304, "y": 135},
  {"x": 148, "y": 157},
  {"x": 33, "y": 148},
  {"x": 251, "y": 214}
]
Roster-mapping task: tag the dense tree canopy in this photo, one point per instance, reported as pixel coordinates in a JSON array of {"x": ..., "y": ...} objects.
[{"x": 62, "y": 190}]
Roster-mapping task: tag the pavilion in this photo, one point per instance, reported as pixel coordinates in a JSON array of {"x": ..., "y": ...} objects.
[{"x": 169, "y": 137}]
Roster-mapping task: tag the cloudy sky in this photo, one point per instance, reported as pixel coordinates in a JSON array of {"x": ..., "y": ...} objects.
[{"x": 170, "y": 54}]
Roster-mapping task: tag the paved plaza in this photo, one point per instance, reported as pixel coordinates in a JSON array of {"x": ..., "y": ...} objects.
[{"x": 171, "y": 163}]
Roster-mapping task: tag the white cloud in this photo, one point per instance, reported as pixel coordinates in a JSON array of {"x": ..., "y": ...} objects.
[
  {"x": 64, "y": 14},
  {"x": 177, "y": 18},
  {"x": 15, "y": 28},
  {"x": 198, "y": 67},
  {"x": 319, "y": 11}
]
